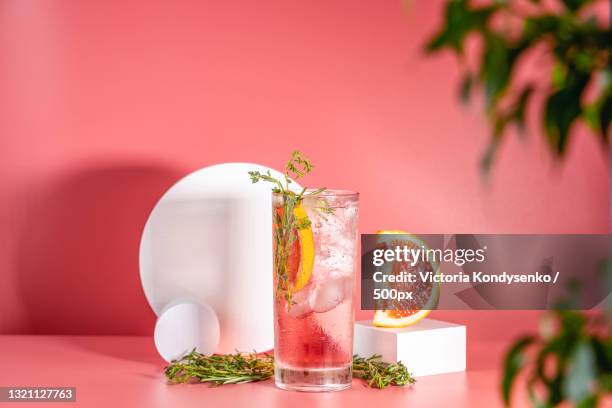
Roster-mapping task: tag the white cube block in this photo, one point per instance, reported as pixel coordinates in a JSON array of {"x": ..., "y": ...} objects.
[{"x": 426, "y": 348}]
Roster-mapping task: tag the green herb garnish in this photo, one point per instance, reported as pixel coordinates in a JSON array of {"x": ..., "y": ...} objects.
[
  {"x": 239, "y": 368},
  {"x": 380, "y": 375},
  {"x": 285, "y": 223},
  {"x": 221, "y": 369}
]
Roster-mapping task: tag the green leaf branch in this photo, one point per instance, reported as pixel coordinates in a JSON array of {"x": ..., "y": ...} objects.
[
  {"x": 578, "y": 42},
  {"x": 572, "y": 363}
]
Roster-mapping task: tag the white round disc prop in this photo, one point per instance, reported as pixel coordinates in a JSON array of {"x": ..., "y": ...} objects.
[
  {"x": 185, "y": 326},
  {"x": 209, "y": 239}
]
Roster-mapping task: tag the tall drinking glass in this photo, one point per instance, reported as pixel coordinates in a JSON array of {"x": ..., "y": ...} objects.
[{"x": 314, "y": 272}]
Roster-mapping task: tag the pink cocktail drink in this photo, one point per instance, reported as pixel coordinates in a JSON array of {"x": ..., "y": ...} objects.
[{"x": 314, "y": 271}]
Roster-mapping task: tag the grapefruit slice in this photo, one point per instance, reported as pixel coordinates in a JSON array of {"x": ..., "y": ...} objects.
[
  {"x": 398, "y": 318},
  {"x": 405, "y": 313},
  {"x": 300, "y": 261},
  {"x": 306, "y": 250}
]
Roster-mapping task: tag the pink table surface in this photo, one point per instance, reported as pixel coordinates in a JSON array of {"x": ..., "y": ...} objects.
[{"x": 126, "y": 371}]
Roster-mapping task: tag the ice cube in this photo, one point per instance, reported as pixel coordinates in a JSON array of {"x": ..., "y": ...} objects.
[
  {"x": 299, "y": 310},
  {"x": 329, "y": 294},
  {"x": 300, "y": 303}
]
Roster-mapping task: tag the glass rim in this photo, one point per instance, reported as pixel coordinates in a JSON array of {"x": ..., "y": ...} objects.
[{"x": 330, "y": 192}]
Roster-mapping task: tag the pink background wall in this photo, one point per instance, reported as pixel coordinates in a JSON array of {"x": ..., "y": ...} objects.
[{"x": 105, "y": 104}]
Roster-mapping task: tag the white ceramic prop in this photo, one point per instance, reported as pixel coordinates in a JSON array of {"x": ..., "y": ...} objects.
[
  {"x": 427, "y": 348},
  {"x": 209, "y": 239},
  {"x": 183, "y": 326}
]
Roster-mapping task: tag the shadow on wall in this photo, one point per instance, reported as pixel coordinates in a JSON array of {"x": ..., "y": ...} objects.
[{"x": 78, "y": 254}]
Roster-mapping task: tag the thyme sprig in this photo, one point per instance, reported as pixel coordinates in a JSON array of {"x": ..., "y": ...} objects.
[
  {"x": 379, "y": 374},
  {"x": 239, "y": 368},
  {"x": 285, "y": 223},
  {"x": 297, "y": 167},
  {"x": 220, "y": 369}
]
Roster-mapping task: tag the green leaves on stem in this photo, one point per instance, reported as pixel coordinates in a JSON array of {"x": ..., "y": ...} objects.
[
  {"x": 578, "y": 43},
  {"x": 572, "y": 364}
]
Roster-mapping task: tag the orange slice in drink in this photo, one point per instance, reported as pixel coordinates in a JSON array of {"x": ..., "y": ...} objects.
[
  {"x": 301, "y": 255},
  {"x": 306, "y": 251},
  {"x": 405, "y": 313}
]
